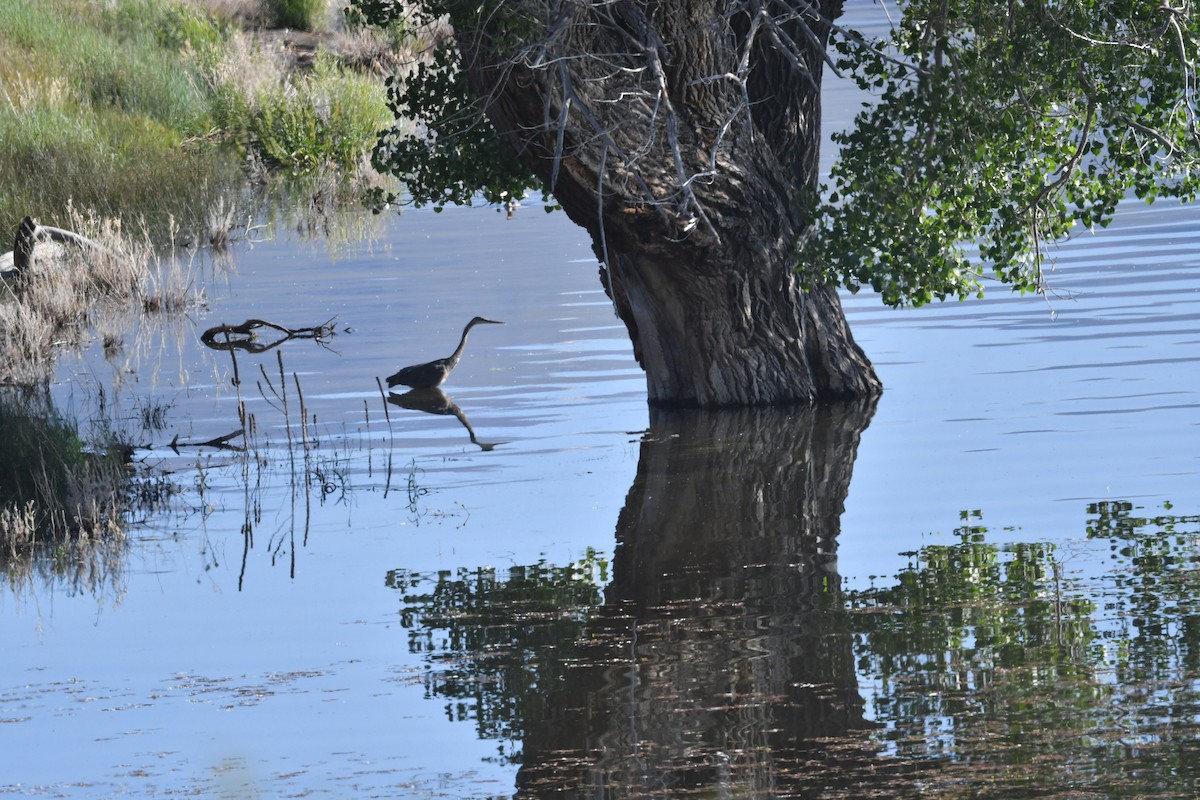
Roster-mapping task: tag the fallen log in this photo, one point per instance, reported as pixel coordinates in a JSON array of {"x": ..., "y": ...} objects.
[
  {"x": 30, "y": 242},
  {"x": 219, "y": 442}
]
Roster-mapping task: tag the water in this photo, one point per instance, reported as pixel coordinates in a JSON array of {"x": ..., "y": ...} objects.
[
  {"x": 309, "y": 658},
  {"x": 1048, "y": 406},
  {"x": 286, "y": 666}
]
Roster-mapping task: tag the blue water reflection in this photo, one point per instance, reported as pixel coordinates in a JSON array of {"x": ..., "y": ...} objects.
[{"x": 277, "y": 662}]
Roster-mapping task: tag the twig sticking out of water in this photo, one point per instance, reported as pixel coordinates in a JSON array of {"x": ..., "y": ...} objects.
[
  {"x": 303, "y": 410},
  {"x": 391, "y": 436}
]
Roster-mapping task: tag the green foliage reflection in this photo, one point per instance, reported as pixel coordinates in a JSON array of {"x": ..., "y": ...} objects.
[
  {"x": 991, "y": 669},
  {"x": 497, "y": 641},
  {"x": 1152, "y": 616},
  {"x": 1033, "y": 659}
]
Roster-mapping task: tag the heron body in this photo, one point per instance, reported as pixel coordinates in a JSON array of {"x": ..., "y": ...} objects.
[{"x": 434, "y": 373}]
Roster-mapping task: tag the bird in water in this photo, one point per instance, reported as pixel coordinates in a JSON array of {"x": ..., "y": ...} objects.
[{"x": 434, "y": 373}]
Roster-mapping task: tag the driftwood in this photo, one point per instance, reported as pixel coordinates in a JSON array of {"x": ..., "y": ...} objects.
[
  {"x": 29, "y": 239},
  {"x": 245, "y": 336},
  {"x": 219, "y": 442}
]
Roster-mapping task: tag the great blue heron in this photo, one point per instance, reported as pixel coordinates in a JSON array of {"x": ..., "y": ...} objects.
[{"x": 434, "y": 374}]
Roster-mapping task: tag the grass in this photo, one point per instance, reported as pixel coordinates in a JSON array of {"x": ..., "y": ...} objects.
[
  {"x": 329, "y": 116},
  {"x": 97, "y": 114},
  {"x": 52, "y": 305},
  {"x": 65, "y": 501},
  {"x": 55, "y": 489},
  {"x": 145, "y": 110}
]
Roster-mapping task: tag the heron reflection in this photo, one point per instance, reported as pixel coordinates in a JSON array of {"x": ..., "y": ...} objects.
[{"x": 435, "y": 401}]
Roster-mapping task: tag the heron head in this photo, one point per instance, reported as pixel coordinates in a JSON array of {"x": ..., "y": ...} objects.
[{"x": 483, "y": 320}]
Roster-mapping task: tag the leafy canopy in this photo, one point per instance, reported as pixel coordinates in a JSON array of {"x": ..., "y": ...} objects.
[
  {"x": 995, "y": 130},
  {"x": 452, "y": 155},
  {"x": 998, "y": 129}
]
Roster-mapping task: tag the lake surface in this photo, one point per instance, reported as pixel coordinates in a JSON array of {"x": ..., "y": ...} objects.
[
  {"x": 984, "y": 585},
  {"x": 311, "y": 620}
]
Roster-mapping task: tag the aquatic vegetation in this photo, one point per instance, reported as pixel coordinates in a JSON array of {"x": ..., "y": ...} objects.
[{"x": 59, "y": 495}]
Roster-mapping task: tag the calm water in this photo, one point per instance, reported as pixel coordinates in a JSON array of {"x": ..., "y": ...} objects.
[
  {"x": 280, "y": 626},
  {"x": 982, "y": 586}
]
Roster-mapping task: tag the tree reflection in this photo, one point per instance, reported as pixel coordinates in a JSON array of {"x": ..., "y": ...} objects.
[
  {"x": 721, "y": 654},
  {"x": 721, "y": 658},
  {"x": 1028, "y": 667},
  {"x": 499, "y": 640},
  {"x": 726, "y": 656}
]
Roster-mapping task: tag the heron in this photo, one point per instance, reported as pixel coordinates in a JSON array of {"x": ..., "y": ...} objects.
[
  {"x": 434, "y": 373},
  {"x": 435, "y": 401}
]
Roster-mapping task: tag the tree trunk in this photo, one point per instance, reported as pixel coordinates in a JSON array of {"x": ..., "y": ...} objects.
[
  {"x": 682, "y": 138},
  {"x": 733, "y": 336}
]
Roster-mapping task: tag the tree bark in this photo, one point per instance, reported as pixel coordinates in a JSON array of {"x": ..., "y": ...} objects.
[{"x": 682, "y": 136}]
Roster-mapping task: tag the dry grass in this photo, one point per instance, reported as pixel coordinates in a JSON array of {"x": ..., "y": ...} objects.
[
  {"x": 262, "y": 56},
  {"x": 246, "y": 12},
  {"x": 52, "y": 304},
  {"x": 248, "y": 66},
  {"x": 85, "y": 562},
  {"x": 64, "y": 501}
]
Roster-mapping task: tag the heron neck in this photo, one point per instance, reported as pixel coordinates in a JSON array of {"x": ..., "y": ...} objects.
[{"x": 461, "y": 344}]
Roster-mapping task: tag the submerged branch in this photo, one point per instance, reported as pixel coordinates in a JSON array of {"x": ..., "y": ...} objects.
[
  {"x": 219, "y": 442},
  {"x": 247, "y": 333}
]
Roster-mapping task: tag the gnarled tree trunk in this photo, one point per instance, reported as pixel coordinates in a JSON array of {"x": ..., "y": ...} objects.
[{"x": 682, "y": 136}]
